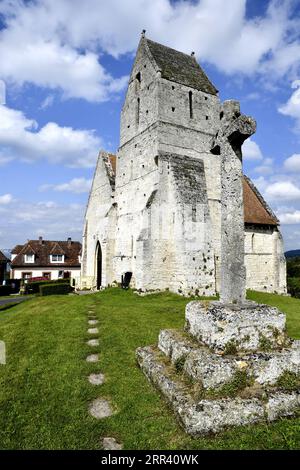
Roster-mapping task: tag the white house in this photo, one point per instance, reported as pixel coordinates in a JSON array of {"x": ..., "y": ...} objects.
[{"x": 47, "y": 259}]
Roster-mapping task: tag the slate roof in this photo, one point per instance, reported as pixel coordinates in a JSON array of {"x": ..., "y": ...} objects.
[
  {"x": 180, "y": 68},
  {"x": 42, "y": 249}
]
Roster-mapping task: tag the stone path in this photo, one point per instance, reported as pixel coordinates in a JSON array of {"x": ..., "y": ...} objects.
[
  {"x": 110, "y": 443},
  {"x": 92, "y": 358},
  {"x": 93, "y": 342},
  {"x": 100, "y": 408},
  {"x": 96, "y": 379},
  {"x": 93, "y": 331}
]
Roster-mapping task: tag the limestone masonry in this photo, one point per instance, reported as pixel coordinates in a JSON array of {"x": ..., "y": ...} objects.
[{"x": 154, "y": 213}]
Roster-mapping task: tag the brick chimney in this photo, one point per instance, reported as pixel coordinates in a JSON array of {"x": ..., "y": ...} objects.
[
  {"x": 69, "y": 241},
  {"x": 40, "y": 240}
]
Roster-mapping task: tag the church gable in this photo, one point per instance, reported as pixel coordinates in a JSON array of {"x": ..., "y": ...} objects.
[{"x": 103, "y": 186}]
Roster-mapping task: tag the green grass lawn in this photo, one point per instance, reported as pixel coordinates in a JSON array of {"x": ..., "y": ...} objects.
[{"x": 44, "y": 392}]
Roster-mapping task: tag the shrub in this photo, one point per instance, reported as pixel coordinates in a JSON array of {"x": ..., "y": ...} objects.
[
  {"x": 293, "y": 267},
  {"x": 5, "y": 290},
  {"x": 293, "y": 285},
  {"x": 33, "y": 287},
  {"x": 55, "y": 289}
]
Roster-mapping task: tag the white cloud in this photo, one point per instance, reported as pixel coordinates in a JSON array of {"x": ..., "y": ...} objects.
[
  {"x": 263, "y": 170},
  {"x": 25, "y": 220},
  {"x": 76, "y": 185},
  {"x": 61, "y": 49},
  {"x": 47, "y": 102},
  {"x": 251, "y": 150},
  {"x": 6, "y": 199},
  {"x": 21, "y": 138},
  {"x": 293, "y": 163},
  {"x": 47, "y": 56},
  {"x": 261, "y": 183},
  {"x": 266, "y": 168},
  {"x": 292, "y": 106},
  {"x": 290, "y": 217},
  {"x": 282, "y": 191}
]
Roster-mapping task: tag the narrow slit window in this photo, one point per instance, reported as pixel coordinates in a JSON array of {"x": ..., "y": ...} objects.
[
  {"x": 138, "y": 111},
  {"x": 191, "y": 104},
  {"x": 194, "y": 214}
]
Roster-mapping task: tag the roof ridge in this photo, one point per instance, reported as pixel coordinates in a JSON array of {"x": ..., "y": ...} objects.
[{"x": 171, "y": 48}]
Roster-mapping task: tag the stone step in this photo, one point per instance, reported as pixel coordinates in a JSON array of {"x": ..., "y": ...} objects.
[
  {"x": 215, "y": 370},
  {"x": 202, "y": 416}
]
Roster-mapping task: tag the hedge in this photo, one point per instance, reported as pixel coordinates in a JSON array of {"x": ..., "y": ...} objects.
[
  {"x": 55, "y": 289},
  {"x": 34, "y": 286},
  {"x": 293, "y": 285},
  {"x": 5, "y": 290}
]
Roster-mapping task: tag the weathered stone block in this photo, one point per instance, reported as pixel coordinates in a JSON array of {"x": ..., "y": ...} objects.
[
  {"x": 212, "y": 415},
  {"x": 236, "y": 327},
  {"x": 282, "y": 404},
  {"x": 215, "y": 370}
]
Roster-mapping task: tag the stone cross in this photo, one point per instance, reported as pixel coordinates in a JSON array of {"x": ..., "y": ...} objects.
[{"x": 234, "y": 129}]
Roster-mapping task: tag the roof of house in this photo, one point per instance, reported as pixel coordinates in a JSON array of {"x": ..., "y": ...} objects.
[
  {"x": 256, "y": 210},
  {"x": 42, "y": 249},
  {"x": 180, "y": 68},
  {"x": 3, "y": 258}
]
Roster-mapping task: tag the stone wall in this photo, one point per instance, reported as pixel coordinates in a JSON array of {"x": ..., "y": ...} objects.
[
  {"x": 98, "y": 226},
  {"x": 264, "y": 259}
]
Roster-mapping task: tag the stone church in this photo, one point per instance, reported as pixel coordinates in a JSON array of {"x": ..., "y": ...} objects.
[{"x": 153, "y": 214}]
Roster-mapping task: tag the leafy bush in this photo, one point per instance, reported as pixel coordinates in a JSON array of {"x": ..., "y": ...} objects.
[
  {"x": 58, "y": 288},
  {"x": 293, "y": 267},
  {"x": 5, "y": 290},
  {"x": 293, "y": 286}
]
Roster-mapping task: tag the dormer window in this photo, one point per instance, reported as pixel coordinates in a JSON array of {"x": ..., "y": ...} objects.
[
  {"x": 29, "y": 258},
  {"x": 57, "y": 258}
]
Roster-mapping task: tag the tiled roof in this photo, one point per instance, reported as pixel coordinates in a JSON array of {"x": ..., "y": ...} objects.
[
  {"x": 113, "y": 161},
  {"x": 180, "y": 68},
  {"x": 256, "y": 210},
  {"x": 42, "y": 250}
]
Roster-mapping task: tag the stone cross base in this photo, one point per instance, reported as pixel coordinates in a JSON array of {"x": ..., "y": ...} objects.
[
  {"x": 236, "y": 327},
  {"x": 233, "y": 365}
]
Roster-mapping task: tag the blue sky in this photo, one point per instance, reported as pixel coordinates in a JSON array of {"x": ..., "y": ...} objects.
[{"x": 64, "y": 69}]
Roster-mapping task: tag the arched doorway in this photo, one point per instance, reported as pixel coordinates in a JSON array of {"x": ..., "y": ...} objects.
[{"x": 98, "y": 265}]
